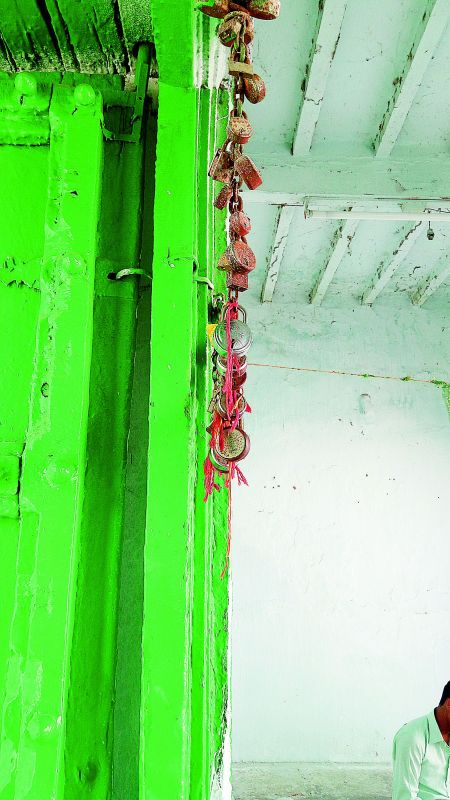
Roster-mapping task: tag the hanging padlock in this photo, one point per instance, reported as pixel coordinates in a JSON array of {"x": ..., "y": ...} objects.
[
  {"x": 240, "y": 224},
  {"x": 249, "y": 29},
  {"x": 241, "y": 335},
  {"x": 224, "y": 197},
  {"x": 231, "y": 28},
  {"x": 221, "y": 167},
  {"x": 237, "y": 281},
  {"x": 238, "y": 381},
  {"x": 224, "y": 262},
  {"x": 239, "y": 365},
  {"x": 239, "y": 129},
  {"x": 241, "y": 256},
  {"x": 254, "y": 88},
  {"x": 236, "y": 444},
  {"x": 238, "y": 257},
  {"x": 249, "y": 32},
  {"x": 262, "y": 9},
  {"x": 218, "y": 461},
  {"x": 237, "y": 68},
  {"x": 219, "y": 9},
  {"x": 248, "y": 171},
  {"x": 238, "y": 411},
  {"x": 236, "y": 26}
]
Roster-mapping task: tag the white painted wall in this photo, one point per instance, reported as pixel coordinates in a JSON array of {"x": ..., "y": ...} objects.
[{"x": 340, "y": 562}]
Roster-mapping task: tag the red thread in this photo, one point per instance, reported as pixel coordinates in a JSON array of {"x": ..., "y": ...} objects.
[
  {"x": 227, "y": 557},
  {"x": 209, "y": 472},
  {"x": 241, "y": 477}
]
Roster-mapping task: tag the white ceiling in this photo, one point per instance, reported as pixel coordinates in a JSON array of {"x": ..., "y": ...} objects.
[{"x": 386, "y": 60}]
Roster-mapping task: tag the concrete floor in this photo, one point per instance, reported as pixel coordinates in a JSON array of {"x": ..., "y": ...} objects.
[{"x": 311, "y": 781}]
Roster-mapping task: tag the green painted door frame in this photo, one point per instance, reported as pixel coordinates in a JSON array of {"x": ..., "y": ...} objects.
[
  {"x": 184, "y": 678},
  {"x": 51, "y": 480},
  {"x": 72, "y": 209}
]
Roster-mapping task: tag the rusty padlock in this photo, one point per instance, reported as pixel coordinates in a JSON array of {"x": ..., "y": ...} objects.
[
  {"x": 254, "y": 88},
  {"x": 224, "y": 262},
  {"x": 237, "y": 68},
  {"x": 230, "y": 29},
  {"x": 236, "y": 26},
  {"x": 240, "y": 224},
  {"x": 239, "y": 380},
  {"x": 219, "y": 9},
  {"x": 241, "y": 256},
  {"x": 262, "y": 9},
  {"x": 221, "y": 167},
  {"x": 237, "y": 281},
  {"x": 248, "y": 171},
  {"x": 239, "y": 129},
  {"x": 224, "y": 197},
  {"x": 249, "y": 31}
]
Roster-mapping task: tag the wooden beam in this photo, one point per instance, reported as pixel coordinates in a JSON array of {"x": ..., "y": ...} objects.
[
  {"x": 432, "y": 283},
  {"x": 341, "y": 240},
  {"x": 283, "y": 225},
  {"x": 287, "y": 182},
  {"x": 428, "y": 36},
  {"x": 387, "y": 269},
  {"x": 328, "y": 30}
]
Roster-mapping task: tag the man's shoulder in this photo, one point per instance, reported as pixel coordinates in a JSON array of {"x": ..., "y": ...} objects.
[{"x": 415, "y": 729}]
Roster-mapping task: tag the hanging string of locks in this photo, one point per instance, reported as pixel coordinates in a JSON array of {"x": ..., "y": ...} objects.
[{"x": 232, "y": 338}]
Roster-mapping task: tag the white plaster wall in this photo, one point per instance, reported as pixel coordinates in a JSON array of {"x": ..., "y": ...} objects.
[{"x": 340, "y": 562}]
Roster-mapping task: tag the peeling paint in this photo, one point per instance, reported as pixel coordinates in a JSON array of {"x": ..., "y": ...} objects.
[{"x": 93, "y": 36}]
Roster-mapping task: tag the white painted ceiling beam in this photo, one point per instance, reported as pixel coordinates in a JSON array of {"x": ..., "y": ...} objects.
[
  {"x": 428, "y": 36},
  {"x": 283, "y": 225},
  {"x": 387, "y": 269},
  {"x": 341, "y": 241},
  {"x": 381, "y": 216},
  {"x": 432, "y": 283},
  {"x": 328, "y": 29},
  {"x": 289, "y": 183}
]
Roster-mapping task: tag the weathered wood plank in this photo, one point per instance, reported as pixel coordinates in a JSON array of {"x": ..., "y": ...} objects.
[
  {"x": 342, "y": 238},
  {"x": 432, "y": 283},
  {"x": 285, "y": 217},
  {"x": 328, "y": 30},
  {"x": 428, "y": 36},
  {"x": 387, "y": 269},
  {"x": 287, "y": 182}
]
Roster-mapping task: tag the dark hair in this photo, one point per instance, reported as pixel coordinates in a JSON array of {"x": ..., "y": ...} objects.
[{"x": 445, "y": 694}]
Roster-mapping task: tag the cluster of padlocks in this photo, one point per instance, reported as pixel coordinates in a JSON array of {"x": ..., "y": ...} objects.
[{"x": 232, "y": 338}]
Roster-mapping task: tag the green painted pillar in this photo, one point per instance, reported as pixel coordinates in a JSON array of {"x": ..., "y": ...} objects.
[
  {"x": 184, "y": 679},
  {"x": 72, "y": 206},
  {"x": 51, "y": 483}
]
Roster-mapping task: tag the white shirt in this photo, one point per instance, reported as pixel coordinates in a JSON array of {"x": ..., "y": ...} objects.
[{"x": 421, "y": 761}]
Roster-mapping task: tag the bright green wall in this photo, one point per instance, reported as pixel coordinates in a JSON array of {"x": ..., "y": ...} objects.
[{"x": 72, "y": 211}]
